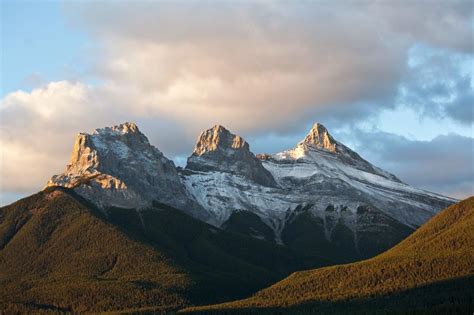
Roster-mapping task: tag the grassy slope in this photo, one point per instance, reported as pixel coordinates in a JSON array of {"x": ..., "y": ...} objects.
[
  {"x": 58, "y": 253},
  {"x": 432, "y": 268}
]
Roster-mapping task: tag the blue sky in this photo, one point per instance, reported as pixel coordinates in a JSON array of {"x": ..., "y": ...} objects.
[
  {"x": 375, "y": 74},
  {"x": 38, "y": 45}
]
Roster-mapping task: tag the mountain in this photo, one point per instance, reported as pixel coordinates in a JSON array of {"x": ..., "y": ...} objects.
[
  {"x": 218, "y": 150},
  {"x": 324, "y": 200},
  {"x": 118, "y": 167},
  {"x": 430, "y": 272},
  {"x": 59, "y": 253}
]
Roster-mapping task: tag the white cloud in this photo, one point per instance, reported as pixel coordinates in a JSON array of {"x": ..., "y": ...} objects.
[
  {"x": 37, "y": 129},
  {"x": 34, "y": 128}
]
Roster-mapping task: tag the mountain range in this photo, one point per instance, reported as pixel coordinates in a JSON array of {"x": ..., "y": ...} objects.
[
  {"x": 124, "y": 229},
  {"x": 319, "y": 197}
]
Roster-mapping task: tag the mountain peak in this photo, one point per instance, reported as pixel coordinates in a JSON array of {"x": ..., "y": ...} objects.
[
  {"x": 219, "y": 138},
  {"x": 117, "y": 166},
  {"x": 319, "y": 137},
  {"x": 116, "y": 142},
  {"x": 316, "y": 146},
  {"x": 217, "y": 149}
]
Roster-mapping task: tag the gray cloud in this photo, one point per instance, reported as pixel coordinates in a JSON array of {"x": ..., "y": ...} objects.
[
  {"x": 442, "y": 24},
  {"x": 444, "y": 165},
  {"x": 440, "y": 84},
  {"x": 462, "y": 108}
]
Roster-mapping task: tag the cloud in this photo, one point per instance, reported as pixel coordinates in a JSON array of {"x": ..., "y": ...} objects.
[
  {"x": 444, "y": 164},
  {"x": 37, "y": 129},
  {"x": 34, "y": 128},
  {"x": 255, "y": 66},
  {"x": 439, "y": 84},
  {"x": 441, "y": 24}
]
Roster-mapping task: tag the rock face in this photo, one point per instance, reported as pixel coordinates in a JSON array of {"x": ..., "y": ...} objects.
[
  {"x": 118, "y": 167},
  {"x": 319, "y": 138},
  {"x": 218, "y": 150}
]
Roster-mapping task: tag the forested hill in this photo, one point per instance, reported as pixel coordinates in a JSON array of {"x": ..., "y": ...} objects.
[{"x": 430, "y": 271}]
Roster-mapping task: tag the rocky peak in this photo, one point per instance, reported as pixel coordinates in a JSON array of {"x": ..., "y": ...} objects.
[
  {"x": 314, "y": 148},
  {"x": 117, "y": 166},
  {"x": 219, "y": 138},
  {"x": 109, "y": 144},
  {"x": 319, "y": 138},
  {"x": 217, "y": 149}
]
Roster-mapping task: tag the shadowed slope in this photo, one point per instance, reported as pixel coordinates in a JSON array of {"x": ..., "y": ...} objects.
[
  {"x": 57, "y": 253},
  {"x": 432, "y": 269}
]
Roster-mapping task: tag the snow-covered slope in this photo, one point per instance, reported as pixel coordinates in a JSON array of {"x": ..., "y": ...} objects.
[
  {"x": 312, "y": 164},
  {"x": 319, "y": 144}
]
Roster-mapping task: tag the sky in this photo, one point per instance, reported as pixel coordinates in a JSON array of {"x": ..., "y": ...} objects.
[{"x": 393, "y": 80}]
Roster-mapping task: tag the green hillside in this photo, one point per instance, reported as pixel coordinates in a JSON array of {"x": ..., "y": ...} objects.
[
  {"x": 432, "y": 271},
  {"x": 57, "y": 253}
]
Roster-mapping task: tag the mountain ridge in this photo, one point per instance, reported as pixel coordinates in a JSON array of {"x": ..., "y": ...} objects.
[
  {"x": 224, "y": 184},
  {"x": 319, "y": 172}
]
